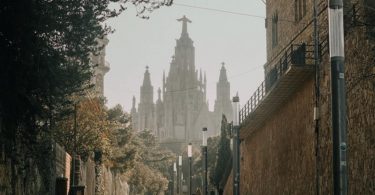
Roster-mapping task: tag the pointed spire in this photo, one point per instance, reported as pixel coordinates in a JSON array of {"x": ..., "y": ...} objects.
[
  {"x": 223, "y": 73},
  {"x": 184, "y": 20},
  {"x": 133, "y": 103},
  {"x": 205, "y": 85},
  {"x": 164, "y": 87},
  {"x": 146, "y": 78},
  {"x": 205, "y": 79},
  {"x": 163, "y": 78},
  {"x": 200, "y": 75},
  {"x": 159, "y": 94}
]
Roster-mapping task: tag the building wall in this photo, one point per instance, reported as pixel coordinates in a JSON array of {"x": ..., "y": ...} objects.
[
  {"x": 279, "y": 157},
  {"x": 360, "y": 84}
]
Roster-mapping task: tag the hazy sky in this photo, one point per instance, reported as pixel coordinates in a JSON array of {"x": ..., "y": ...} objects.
[{"x": 238, "y": 40}]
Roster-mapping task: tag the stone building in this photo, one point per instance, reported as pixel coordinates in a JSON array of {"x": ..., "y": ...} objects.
[
  {"x": 286, "y": 130},
  {"x": 181, "y": 109}
]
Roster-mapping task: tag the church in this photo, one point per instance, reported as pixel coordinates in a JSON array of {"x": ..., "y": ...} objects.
[{"x": 181, "y": 108}]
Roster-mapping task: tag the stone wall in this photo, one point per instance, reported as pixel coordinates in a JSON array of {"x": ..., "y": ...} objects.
[
  {"x": 360, "y": 84},
  {"x": 22, "y": 172},
  {"x": 279, "y": 157},
  {"x": 36, "y": 174},
  {"x": 108, "y": 182}
]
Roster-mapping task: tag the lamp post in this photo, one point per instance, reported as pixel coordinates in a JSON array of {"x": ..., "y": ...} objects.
[
  {"x": 174, "y": 179},
  {"x": 179, "y": 175},
  {"x": 190, "y": 154},
  {"x": 236, "y": 146},
  {"x": 204, "y": 152},
  {"x": 338, "y": 99}
]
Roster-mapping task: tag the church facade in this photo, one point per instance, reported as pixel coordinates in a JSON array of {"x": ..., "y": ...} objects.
[{"x": 181, "y": 108}]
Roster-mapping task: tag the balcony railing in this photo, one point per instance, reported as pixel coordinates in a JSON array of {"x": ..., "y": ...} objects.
[
  {"x": 253, "y": 102},
  {"x": 289, "y": 68},
  {"x": 295, "y": 55}
]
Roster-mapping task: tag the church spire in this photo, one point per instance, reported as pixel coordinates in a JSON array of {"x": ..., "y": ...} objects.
[
  {"x": 133, "y": 103},
  {"x": 184, "y": 20},
  {"x": 223, "y": 73},
  {"x": 159, "y": 94},
  {"x": 146, "y": 88},
  {"x": 146, "y": 78}
]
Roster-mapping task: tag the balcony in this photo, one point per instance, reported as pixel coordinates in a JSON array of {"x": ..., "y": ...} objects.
[{"x": 294, "y": 66}]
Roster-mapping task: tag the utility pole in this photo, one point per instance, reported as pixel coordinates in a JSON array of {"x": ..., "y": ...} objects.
[{"x": 338, "y": 99}]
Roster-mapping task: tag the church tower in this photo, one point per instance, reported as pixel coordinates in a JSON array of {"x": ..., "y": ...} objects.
[
  {"x": 181, "y": 109},
  {"x": 159, "y": 114},
  {"x": 146, "y": 104},
  {"x": 184, "y": 94},
  {"x": 223, "y": 103},
  {"x": 102, "y": 67}
]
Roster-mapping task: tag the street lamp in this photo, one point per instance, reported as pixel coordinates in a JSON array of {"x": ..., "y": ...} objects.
[
  {"x": 179, "y": 175},
  {"x": 236, "y": 146},
  {"x": 338, "y": 98},
  {"x": 204, "y": 151},
  {"x": 190, "y": 154},
  {"x": 175, "y": 180}
]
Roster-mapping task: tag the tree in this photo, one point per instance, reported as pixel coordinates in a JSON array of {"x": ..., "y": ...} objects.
[
  {"x": 224, "y": 154},
  {"x": 45, "y": 51},
  {"x": 152, "y": 169},
  {"x": 137, "y": 156},
  {"x": 85, "y": 131},
  {"x": 125, "y": 150}
]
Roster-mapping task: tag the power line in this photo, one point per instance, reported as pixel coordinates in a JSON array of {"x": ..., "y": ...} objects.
[
  {"x": 231, "y": 12},
  {"x": 220, "y": 10}
]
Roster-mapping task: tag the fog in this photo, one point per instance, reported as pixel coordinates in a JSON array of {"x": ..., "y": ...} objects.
[{"x": 223, "y": 31}]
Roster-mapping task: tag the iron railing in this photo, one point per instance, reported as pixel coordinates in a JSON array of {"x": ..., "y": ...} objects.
[
  {"x": 294, "y": 55},
  {"x": 253, "y": 102},
  {"x": 298, "y": 55}
]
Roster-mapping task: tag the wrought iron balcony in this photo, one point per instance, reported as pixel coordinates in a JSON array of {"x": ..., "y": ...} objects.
[{"x": 288, "y": 72}]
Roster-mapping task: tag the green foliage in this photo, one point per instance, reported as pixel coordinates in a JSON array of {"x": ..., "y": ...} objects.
[
  {"x": 45, "y": 47},
  {"x": 91, "y": 132},
  {"x": 137, "y": 155},
  {"x": 117, "y": 114},
  {"x": 125, "y": 150},
  {"x": 153, "y": 166},
  {"x": 212, "y": 150},
  {"x": 224, "y": 154}
]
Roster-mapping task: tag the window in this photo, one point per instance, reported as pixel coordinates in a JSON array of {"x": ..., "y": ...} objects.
[
  {"x": 275, "y": 20},
  {"x": 299, "y": 9}
]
